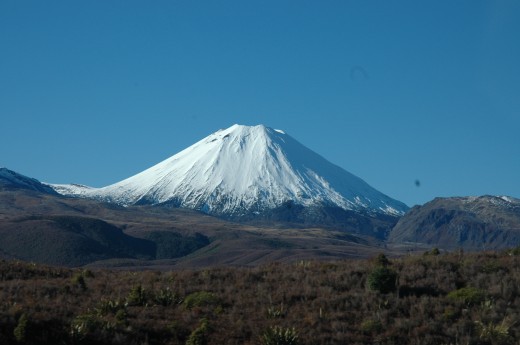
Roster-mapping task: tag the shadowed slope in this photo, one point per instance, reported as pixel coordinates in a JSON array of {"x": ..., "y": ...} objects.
[{"x": 475, "y": 223}]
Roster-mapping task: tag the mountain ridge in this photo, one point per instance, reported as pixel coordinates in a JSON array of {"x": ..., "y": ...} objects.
[
  {"x": 10, "y": 179},
  {"x": 475, "y": 222}
]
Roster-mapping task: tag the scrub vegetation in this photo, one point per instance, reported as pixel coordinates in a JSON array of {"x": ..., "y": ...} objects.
[{"x": 435, "y": 298}]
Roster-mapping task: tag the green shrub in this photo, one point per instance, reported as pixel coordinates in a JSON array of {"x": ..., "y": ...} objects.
[
  {"x": 110, "y": 307},
  {"x": 468, "y": 295},
  {"x": 200, "y": 299},
  {"x": 137, "y": 296},
  {"x": 20, "y": 332},
  {"x": 494, "y": 333},
  {"x": 199, "y": 336},
  {"x": 83, "y": 325},
  {"x": 166, "y": 297},
  {"x": 382, "y": 279},
  {"x": 280, "y": 336}
]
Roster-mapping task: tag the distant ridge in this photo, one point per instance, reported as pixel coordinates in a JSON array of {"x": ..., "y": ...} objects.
[
  {"x": 474, "y": 223},
  {"x": 244, "y": 170},
  {"x": 13, "y": 180}
]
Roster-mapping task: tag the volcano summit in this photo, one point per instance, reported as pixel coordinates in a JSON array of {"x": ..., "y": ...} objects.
[{"x": 244, "y": 170}]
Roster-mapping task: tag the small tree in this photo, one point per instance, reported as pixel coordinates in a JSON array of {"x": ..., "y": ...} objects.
[{"x": 382, "y": 279}]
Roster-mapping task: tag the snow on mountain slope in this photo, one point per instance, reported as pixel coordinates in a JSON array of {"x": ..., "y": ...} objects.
[
  {"x": 244, "y": 169},
  {"x": 72, "y": 189}
]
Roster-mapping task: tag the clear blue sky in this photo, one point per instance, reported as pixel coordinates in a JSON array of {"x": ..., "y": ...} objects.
[{"x": 393, "y": 91}]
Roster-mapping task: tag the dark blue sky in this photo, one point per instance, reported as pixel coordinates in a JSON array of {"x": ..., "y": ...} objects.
[{"x": 93, "y": 92}]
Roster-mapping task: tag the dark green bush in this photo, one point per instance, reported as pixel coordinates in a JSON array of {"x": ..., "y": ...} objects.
[
  {"x": 382, "y": 279},
  {"x": 435, "y": 251},
  {"x": 382, "y": 260}
]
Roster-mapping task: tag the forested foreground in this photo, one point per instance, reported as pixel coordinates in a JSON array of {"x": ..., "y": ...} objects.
[{"x": 454, "y": 298}]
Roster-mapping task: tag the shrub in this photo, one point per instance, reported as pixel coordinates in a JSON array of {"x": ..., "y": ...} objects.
[
  {"x": 468, "y": 295},
  {"x": 79, "y": 280},
  {"x": 494, "y": 333},
  {"x": 110, "y": 307},
  {"x": 382, "y": 279},
  {"x": 199, "y": 335},
  {"x": 275, "y": 312},
  {"x": 381, "y": 260},
  {"x": 137, "y": 296},
  {"x": 280, "y": 336},
  {"x": 435, "y": 251},
  {"x": 20, "y": 332},
  {"x": 492, "y": 266},
  {"x": 166, "y": 297},
  {"x": 83, "y": 325},
  {"x": 200, "y": 299}
]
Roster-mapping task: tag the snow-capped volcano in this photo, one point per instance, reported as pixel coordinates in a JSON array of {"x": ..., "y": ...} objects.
[{"x": 244, "y": 169}]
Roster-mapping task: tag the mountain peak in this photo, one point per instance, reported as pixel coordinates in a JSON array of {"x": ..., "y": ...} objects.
[
  {"x": 244, "y": 130},
  {"x": 244, "y": 170}
]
